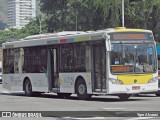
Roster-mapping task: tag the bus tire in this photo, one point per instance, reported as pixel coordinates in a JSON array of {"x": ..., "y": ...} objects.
[
  {"x": 158, "y": 94},
  {"x": 124, "y": 97},
  {"x": 81, "y": 90},
  {"x": 28, "y": 88}
]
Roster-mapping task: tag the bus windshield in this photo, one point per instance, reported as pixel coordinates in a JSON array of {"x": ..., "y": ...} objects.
[{"x": 133, "y": 58}]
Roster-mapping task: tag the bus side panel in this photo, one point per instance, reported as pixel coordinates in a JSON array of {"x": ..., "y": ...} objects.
[
  {"x": 39, "y": 82},
  {"x": 67, "y": 82},
  {"x": 6, "y": 82},
  {"x": 14, "y": 82}
]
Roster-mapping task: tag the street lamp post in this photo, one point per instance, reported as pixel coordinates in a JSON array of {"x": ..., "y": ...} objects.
[
  {"x": 76, "y": 17},
  {"x": 40, "y": 24},
  {"x": 39, "y": 19},
  {"x": 77, "y": 13},
  {"x": 39, "y": 16},
  {"x": 122, "y": 13}
]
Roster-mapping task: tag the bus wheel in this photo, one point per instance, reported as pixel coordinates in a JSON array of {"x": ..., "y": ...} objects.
[
  {"x": 28, "y": 88},
  {"x": 81, "y": 90},
  {"x": 157, "y": 94},
  {"x": 64, "y": 95},
  {"x": 124, "y": 96}
]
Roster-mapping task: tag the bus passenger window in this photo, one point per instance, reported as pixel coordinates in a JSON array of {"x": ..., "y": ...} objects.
[{"x": 66, "y": 58}]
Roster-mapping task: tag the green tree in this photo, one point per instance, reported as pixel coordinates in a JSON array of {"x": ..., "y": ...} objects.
[
  {"x": 91, "y": 15},
  {"x": 144, "y": 14},
  {"x": 56, "y": 12},
  {"x": 111, "y": 11}
]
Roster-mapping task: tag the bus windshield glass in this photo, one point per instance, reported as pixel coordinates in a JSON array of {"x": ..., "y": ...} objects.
[{"x": 133, "y": 58}]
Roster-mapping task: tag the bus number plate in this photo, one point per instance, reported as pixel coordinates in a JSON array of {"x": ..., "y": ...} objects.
[{"x": 135, "y": 87}]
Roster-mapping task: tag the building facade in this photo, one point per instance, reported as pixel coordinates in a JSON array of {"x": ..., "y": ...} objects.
[{"x": 20, "y": 12}]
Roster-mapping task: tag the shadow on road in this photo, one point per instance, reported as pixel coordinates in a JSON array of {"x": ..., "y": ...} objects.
[
  {"x": 74, "y": 97},
  {"x": 145, "y": 95}
]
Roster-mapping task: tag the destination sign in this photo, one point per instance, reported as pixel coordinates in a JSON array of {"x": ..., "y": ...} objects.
[
  {"x": 131, "y": 36},
  {"x": 126, "y": 68}
]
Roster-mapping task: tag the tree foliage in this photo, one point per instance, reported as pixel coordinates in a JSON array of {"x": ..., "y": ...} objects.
[
  {"x": 32, "y": 28},
  {"x": 71, "y": 15},
  {"x": 112, "y": 11},
  {"x": 101, "y": 14},
  {"x": 144, "y": 14}
]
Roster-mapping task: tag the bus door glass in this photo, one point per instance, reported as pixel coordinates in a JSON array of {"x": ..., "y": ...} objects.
[
  {"x": 99, "y": 65},
  {"x": 54, "y": 67}
]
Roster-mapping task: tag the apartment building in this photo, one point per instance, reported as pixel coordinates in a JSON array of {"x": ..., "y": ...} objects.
[{"x": 20, "y": 12}]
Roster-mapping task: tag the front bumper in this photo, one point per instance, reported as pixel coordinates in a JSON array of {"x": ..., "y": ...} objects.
[{"x": 133, "y": 88}]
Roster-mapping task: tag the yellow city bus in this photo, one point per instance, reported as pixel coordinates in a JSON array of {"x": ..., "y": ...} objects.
[{"x": 116, "y": 61}]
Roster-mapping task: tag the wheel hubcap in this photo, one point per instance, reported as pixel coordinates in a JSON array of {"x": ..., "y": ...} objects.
[{"x": 82, "y": 89}]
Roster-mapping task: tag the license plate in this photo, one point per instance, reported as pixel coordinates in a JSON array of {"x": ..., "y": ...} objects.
[{"x": 135, "y": 87}]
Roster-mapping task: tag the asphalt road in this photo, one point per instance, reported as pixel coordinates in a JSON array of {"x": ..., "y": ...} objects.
[{"x": 99, "y": 107}]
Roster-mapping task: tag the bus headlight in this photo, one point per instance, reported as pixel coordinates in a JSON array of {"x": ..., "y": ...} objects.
[
  {"x": 115, "y": 81},
  {"x": 152, "y": 80}
]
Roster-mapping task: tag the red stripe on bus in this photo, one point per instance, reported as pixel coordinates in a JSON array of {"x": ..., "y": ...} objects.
[{"x": 63, "y": 40}]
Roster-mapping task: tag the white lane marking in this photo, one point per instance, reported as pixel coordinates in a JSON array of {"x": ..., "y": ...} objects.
[
  {"x": 142, "y": 118},
  {"x": 114, "y": 108},
  {"x": 82, "y": 118}
]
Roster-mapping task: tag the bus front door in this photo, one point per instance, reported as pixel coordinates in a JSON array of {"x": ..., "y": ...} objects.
[
  {"x": 99, "y": 70},
  {"x": 53, "y": 68}
]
